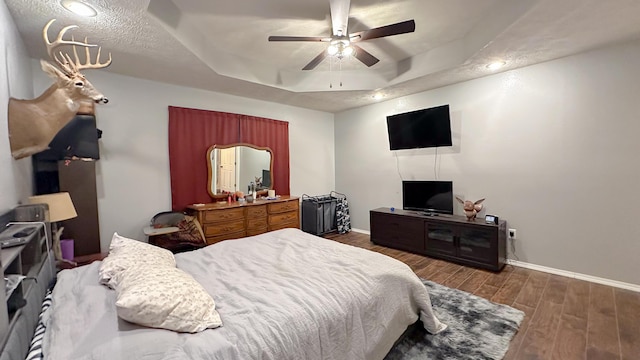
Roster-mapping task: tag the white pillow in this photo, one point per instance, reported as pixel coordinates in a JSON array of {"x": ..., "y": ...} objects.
[
  {"x": 164, "y": 297},
  {"x": 125, "y": 253}
]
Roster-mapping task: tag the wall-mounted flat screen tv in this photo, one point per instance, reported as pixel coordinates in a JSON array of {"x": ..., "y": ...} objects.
[
  {"x": 420, "y": 129},
  {"x": 428, "y": 196}
]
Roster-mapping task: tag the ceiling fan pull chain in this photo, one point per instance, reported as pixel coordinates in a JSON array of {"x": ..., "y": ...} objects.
[
  {"x": 340, "y": 71},
  {"x": 330, "y": 74}
]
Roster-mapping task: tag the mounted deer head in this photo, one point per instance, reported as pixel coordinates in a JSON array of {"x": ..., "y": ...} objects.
[{"x": 34, "y": 123}]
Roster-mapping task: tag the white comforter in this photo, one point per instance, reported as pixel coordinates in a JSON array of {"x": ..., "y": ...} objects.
[{"x": 281, "y": 295}]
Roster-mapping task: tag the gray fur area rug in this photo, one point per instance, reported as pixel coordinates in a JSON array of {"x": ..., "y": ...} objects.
[{"x": 477, "y": 329}]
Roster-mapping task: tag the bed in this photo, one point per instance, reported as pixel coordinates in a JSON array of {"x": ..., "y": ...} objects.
[{"x": 285, "y": 294}]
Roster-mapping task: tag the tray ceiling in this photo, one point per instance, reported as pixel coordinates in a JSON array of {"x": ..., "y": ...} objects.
[{"x": 222, "y": 46}]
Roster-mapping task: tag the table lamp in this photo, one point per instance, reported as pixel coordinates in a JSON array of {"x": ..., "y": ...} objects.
[{"x": 60, "y": 208}]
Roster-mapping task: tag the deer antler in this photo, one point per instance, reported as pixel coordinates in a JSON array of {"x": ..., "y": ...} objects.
[
  {"x": 67, "y": 65},
  {"x": 88, "y": 65},
  {"x": 51, "y": 46}
]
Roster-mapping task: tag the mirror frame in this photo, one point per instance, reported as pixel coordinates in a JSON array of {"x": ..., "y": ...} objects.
[{"x": 219, "y": 197}]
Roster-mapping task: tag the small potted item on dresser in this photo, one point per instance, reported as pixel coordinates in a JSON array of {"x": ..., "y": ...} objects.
[{"x": 249, "y": 198}]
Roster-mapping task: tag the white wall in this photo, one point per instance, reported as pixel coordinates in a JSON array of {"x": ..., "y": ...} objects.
[
  {"x": 553, "y": 147},
  {"x": 15, "y": 81},
  {"x": 133, "y": 171}
]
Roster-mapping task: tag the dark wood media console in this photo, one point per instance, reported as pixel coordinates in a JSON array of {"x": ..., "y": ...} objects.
[{"x": 448, "y": 237}]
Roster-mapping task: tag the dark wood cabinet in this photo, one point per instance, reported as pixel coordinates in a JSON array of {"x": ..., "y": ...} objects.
[
  {"x": 448, "y": 237},
  {"x": 78, "y": 178},
  {"x": 399, "y": 232}
]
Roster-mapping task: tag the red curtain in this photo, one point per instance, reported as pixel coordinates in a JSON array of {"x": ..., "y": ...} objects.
[
  {"x": 193, "y": 131},
  {"x": 273, "y": 134}
]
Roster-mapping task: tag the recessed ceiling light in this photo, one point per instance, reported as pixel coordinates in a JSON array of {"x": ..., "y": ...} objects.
[
  {"x": 377, "y": 96},
  {"x": 79, "y": 7},
  {"x": 496, "y": 65}
]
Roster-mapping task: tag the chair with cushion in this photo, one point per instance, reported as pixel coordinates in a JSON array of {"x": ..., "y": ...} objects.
[{"x": 175, "y": 232}]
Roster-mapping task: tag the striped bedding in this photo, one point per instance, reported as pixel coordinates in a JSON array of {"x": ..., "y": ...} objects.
[{"x": 35, "y": 349}]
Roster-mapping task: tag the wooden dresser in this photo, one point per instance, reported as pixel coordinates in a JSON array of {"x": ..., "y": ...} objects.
[{"x": 222, "y": 221}]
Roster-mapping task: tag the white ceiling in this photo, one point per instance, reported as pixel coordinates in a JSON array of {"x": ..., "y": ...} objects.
[{"x": 222, "y": 45}]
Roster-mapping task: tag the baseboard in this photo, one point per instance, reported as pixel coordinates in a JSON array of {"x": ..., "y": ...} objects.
[
  {"x": 574, "y": 275},
  {"x": 367, "y": 232},
  {"x": 570, "y": 274}
]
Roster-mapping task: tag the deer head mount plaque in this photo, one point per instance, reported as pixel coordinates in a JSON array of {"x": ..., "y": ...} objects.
[{"x": 34, "y": 123}]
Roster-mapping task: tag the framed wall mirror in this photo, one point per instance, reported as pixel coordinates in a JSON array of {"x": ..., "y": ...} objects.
[{"x": 233, "y": 167}]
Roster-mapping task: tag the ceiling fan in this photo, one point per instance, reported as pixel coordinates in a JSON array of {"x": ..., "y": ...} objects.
[{"x": 341, "y": 43}]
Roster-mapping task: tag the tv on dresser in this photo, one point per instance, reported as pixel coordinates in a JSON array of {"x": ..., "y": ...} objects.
[{"x": 429, "y": 197}]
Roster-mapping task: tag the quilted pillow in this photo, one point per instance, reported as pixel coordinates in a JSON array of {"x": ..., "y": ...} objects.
[
  {"x": 164, "y": 297},
  {"x": 125, "y": 253}
]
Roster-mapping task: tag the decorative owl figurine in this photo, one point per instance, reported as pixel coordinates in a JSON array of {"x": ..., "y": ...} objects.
[{"x": 471, "y": 209}]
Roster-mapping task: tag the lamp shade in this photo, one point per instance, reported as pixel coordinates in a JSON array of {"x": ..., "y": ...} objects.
[{"x": 60, "y": 205}]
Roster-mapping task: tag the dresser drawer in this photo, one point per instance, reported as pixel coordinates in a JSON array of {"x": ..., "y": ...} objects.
[
  {"x": 227, "y": 236},
  {"x": 283, "y": 206},
  {"x": 225, "y": 228},
  {"x": 291, "y": 224},
  {"x": 216, "y": 216},
  {"x": 287, "y": 217},
  {"x": 251, "y": 232},
  {"x": 256, "y": 212},
  {"x": 257, "y": 223}
]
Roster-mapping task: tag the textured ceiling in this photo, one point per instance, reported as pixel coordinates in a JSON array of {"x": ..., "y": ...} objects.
[{"x": 222, "y": 45}]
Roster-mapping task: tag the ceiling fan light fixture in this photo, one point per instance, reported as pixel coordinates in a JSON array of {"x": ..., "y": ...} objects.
[
  {"x": 79, "y": 7},
  {"x": 340, "y": 48},
  {"x": 347, "y": 51}
]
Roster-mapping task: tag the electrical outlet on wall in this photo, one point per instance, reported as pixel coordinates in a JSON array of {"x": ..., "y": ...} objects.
[{"x": 512, "y": 234}]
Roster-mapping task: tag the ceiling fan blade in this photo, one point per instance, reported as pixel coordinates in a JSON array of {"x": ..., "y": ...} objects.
[
  {"x": 299, "y": 38},
  {"x": 340, "y": 16},
  {"x": 317, "y": 60},
  {"x": 388, "y": 30},
  {"x": 364, "y": 56}
]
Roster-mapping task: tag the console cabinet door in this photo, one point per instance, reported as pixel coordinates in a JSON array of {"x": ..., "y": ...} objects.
[
  {"x": 477, "y": 244},
  {"x": 400, "y": 232},
  {"x": 439, "y": 239}
]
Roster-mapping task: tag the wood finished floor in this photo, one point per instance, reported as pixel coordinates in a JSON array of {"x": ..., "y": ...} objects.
[{"x": 565, "y": 318}]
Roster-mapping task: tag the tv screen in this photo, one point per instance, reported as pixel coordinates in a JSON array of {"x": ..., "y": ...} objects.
[
  {"x": 266, "y": 178},
  {"x": 420, "y": 129},
  {"x": 428, "y": 196}
]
